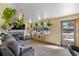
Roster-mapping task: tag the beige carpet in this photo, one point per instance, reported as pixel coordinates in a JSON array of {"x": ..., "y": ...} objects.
[
  {"x": 46, "y": 51},
  {"x": 42, "y": 49}
]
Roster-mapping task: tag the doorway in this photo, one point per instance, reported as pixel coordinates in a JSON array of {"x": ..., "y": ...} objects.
[{"x": 68, "y": 32}]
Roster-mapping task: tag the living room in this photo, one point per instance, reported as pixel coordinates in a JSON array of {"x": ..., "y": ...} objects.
[{"x": 39, "y": 29}]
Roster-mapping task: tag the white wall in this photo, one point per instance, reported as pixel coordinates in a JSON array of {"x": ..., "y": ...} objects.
[
  {"x": 47, "y": 10},
  {"x": 2, "y": 7}
]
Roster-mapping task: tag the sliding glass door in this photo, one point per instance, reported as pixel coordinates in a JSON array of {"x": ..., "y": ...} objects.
[{"x": 68, "y": 32}]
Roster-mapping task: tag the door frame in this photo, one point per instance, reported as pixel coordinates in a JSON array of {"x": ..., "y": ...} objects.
[{"x": 74, "y": 30}]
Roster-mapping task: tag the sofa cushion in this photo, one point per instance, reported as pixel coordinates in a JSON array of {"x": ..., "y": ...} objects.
[
  {"x": 27, "y": 52},
  {"x": 23, "y": 45},
  {"x": 13, "y": 46},
  {"x": 6, "y": 52}
]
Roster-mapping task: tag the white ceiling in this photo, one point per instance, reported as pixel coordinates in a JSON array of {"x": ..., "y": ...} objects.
[{"x": 36, "y": 11}]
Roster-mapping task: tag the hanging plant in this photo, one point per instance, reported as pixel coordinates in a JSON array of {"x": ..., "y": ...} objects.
[
  {"x": 20, "y": 22},
  {"x": 8, "y": 14}
]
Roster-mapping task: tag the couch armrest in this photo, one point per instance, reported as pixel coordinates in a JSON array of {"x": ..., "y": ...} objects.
[
  {"x": 6, "y": 51},
  {"x": 71, "y": 51},
  {"x": 27, "y": 52},
  {"x": 75, "y": 48}
]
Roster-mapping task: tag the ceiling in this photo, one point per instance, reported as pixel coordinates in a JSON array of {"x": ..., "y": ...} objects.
[{"x": 36, "y": 11}]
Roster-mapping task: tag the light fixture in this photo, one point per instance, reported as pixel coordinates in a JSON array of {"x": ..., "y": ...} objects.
[
  {"x": 30, "y": 20},
  {"x": 39, "y": 17}
]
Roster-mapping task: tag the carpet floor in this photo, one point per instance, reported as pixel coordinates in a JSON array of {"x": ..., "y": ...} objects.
[{"x": 43, "y": 49}]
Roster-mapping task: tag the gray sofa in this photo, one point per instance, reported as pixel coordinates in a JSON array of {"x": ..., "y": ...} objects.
[
  {"x": 17, "y": 48},
  {"x": 74, "y": 50},
  {"x": 14, "y": 47}
]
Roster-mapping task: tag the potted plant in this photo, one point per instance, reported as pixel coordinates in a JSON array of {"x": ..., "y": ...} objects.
[
  {"x": 36, "y": 26},
  {"x": 49, "y": 26}
]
